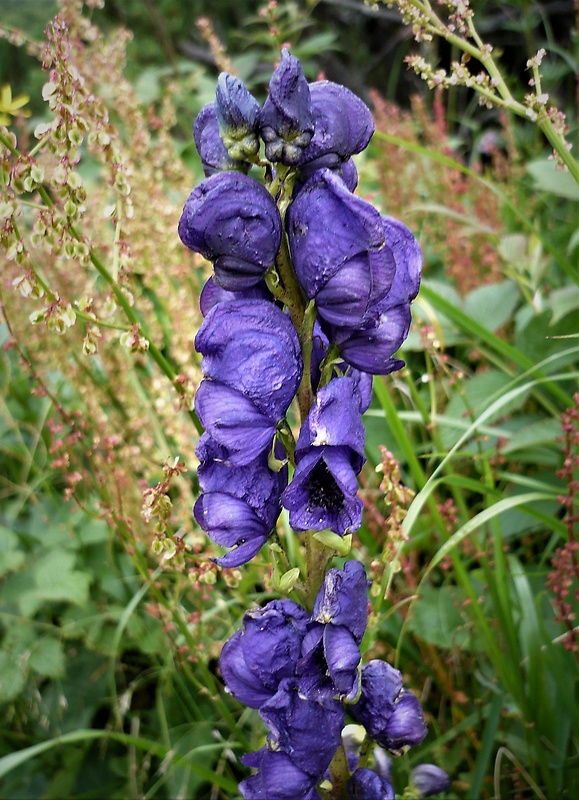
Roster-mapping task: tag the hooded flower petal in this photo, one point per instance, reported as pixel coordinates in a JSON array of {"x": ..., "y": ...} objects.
[
  {"x": 240, "y": 679},
  {"x": 348, "y": 297},
  {"x": 211, "y": 294},
  {"x": 256, "y": 484},
  {"x": 406, "y": 726},
  {"x": 343, "y": 657},
  {"x": 343, "y": 126},
  {"x": 318, "y": 249},
  {"x": 391, "y": 715},
  {"x": 367, "y": 785},
  {"x": 256, "y": 659},
  {"x": 234, "y": 422},
  {"x": 286, "y": 121},
  {"x": 252, "y": 346},
  {"x": 429, "y": 780},
  {"x": 214, "y": 155},
  {"x": 237, "y": 113},
  {"x": 335, "y": 420},
  {"x": 322, "y": 493},
  {"x": 363, "y": 380},
  {"x": 307, "y": 730},
  {"x": 230, "y": 521},
  {"x": 240, "y": 504},
  {"x": 278, "y": 778},
  {"x": 408, "y": 258},
  {"x": 343, "y": 599},
  {"x": 233, "y": 221},
  {"x": 370, "y": 349},
  {"x": 381, "y": 687}
]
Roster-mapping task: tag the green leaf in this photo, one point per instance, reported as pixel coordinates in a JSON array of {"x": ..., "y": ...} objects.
[
  {"x": 12, "y": 677},
  {"x": 493, "y": 305},
  {"x": 542, "y": 431},
  {"x": 548, "y": 178},
  {"x": 562, "y": 302},
  {"x": 436, "y": 618},
  {"x": 55, "y": 580},
  {"x": 47, "y": 658},
  {"x": 11, "y": 557}
]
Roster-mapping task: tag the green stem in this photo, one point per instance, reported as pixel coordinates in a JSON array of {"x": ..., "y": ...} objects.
[{"x": 502, "y": 97}]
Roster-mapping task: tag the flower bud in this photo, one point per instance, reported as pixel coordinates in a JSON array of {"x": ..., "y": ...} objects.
[
  {"x": 286, "y": 121},
  {"x": 343, "y": 127},
  {"x": 367, "y": 785},
  {"x": 429, "y": 780},
  {"x": 210, "y": 146},
  {"x": 237, "y": 113},
  {"x": 233, "y": 221}
]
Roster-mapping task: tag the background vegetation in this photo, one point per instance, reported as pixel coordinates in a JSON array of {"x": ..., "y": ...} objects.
[{"x": 111, "y": 615}]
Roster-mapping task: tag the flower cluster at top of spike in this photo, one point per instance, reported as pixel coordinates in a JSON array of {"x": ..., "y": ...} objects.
[
  {"x": 359, "y": 270},
  {"x": 309, "y": 299}
]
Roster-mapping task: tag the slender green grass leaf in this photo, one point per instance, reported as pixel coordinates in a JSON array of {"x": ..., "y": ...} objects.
[
  {"x": 418, "y": 502},
  {"x": 483, "y": 760},
  {"x": 20, "y": 757},
  {"x": 498, "y": 345},
  {"x": 478, "y": 521}
]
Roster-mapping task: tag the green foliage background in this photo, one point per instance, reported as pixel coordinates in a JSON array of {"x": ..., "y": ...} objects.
[{"x": 108, "y": 651}]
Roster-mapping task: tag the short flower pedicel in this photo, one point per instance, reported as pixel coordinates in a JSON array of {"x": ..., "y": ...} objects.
[{"x": 309, "y": 298}]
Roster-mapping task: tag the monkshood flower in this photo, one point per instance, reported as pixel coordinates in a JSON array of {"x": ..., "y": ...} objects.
[
  {"x": 238, "y": 117},
  {"x": 212, "y": 293},
  {"x": 286, "y": 121},
  {"x": 331, "y": 649},
  {"x": 256, "y": 659},
  {"x": 329, "y": 455},
  {"x": 252, "y": 364},
  {"x": 343, "y": 127},
  {"x": 277, "y": 778},
  {"x": 429, "y": 780},
  {"x": 239, "y": 506},
  {"x": 371, "y": 346},
  {"x": 214, "y": 155},
  {"x": 345, "y": 266},
  {"x": 391, "y": 715},
  {"x": 234, "y": 222},
  {"x": 365, "y": 784},
  {"x": 307, "y": 730},
  {"x": 363, "y": 380}
]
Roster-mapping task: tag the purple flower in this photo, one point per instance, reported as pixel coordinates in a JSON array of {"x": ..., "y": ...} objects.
[
  {"x": 331, "y": 652},
  {"x": 286, "y": 121},
  {"x": 429, "y": 780},
  {"x": 214, "y": 155},
  {"x": 343, "y": 126},
  {"x": 239, "y": 506},
  {"x": 307, "y": 730},
  {"x": 257, "y": 658},
  {"x": 212, "y": 293},
  {"x": 252, "y": 362},
  {"x": 363, "y": 380},
  {"x": 329, "y": 455},
  {"x": 234, "y": 422},
  {"x": 345, "y": 266},
  {"x": 278, "y": 778},
  {"x": 252, "y": 346},
  {"x": 343, "y": 599},
  {"x": 391, "y": 715},
  {"x": 233, "y": 221},
  {"x": 370, "y": 347},
  {"x": 237, "y": 113},
  {"x": 367, "y": 785}
]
